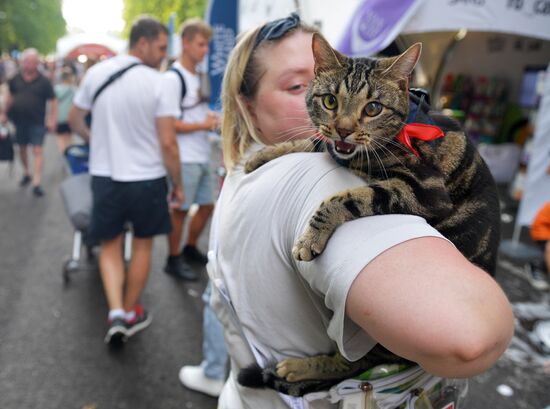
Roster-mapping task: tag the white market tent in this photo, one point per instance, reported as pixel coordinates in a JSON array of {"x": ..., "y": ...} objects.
[{"x": 92, "y": 45}]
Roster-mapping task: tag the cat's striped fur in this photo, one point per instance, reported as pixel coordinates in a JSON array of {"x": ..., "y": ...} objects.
[{"x": 447, "y": 183}]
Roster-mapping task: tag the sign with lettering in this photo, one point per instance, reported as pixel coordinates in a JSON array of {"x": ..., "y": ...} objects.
[
  {"x": 375, "y": 24},
  {"x": 529, "y": 18},
  {"x": 222, "y": 16}
]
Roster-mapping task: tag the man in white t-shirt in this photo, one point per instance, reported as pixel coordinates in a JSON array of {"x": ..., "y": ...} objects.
[
  {"x": 132, "y": 145},
  {"x": 194, "y": 124}
]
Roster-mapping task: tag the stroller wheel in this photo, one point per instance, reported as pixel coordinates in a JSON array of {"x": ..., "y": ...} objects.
[{"x": 69, "y": 267}]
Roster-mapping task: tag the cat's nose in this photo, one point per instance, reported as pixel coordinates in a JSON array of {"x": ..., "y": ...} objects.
[{"x": 343, "y": 132}]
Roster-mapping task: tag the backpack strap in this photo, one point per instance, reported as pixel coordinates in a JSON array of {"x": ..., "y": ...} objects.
[
  {"x": 113, "y": 78},
  {"x": 218, "y": 284},
  {"x": 183, "y": 87}
]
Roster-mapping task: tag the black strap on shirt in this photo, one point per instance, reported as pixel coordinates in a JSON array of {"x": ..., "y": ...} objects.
[
  {"x": 183, "y": 87},
  {"x": 113, "y": 78}
]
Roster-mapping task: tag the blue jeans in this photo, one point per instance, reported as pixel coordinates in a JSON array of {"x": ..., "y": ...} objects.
[{"x": 213, "y": 346}]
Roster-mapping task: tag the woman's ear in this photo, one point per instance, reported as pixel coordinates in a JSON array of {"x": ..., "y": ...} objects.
[{"x": 250, "y": 107}]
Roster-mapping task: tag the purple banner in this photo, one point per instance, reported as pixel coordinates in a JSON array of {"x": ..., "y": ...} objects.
[{"x": 375, "y": 24}]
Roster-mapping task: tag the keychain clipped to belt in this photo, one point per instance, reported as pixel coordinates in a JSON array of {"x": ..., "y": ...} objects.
[{"x": 398, "y": 387}]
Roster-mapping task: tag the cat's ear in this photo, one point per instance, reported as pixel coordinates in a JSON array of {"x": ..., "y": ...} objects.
[
  {"x": 403, "y": 65},
  {"x": 326, "y": 58}
]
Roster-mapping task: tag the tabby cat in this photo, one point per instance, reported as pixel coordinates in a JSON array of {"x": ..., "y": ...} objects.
[{"x": 360, "y": 107}]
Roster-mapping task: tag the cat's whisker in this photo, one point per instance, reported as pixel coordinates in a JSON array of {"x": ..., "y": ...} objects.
[
  {"x": 298, "y": 131},
  {"x": 296, "y": 128},
  {"x": 300, "y": 127},
  {"x": 305, "y": 135},
  {"x": 386, "y": 149},
  {"x": 379, "y": 159},
  {"x": 393, "y": 142}
]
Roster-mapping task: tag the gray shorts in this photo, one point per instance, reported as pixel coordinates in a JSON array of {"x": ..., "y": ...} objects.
[
  {"x": 197, "y": 184},
  {"x": 30, "y": 134}
]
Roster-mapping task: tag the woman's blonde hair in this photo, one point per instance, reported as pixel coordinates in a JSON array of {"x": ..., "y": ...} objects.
[{"x": 240, "y": 83}]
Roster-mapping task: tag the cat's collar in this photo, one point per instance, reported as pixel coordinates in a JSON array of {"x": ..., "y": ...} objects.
[{"x": 424, "y": 132}]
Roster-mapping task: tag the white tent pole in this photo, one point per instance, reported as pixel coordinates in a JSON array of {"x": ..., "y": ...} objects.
[{"x": 436, "y": 86}]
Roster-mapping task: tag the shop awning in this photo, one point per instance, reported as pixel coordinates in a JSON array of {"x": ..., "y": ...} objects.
[
  {"x": 376, "y": 23},
  {"x": 91, "y": 45}
]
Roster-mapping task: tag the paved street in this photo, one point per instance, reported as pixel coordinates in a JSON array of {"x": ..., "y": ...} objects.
[{"x": 52, "y": 354}]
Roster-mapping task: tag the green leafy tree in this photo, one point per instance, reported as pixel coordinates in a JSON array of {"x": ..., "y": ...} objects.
[
  {"x": 162, "y": 9},
  {"x": 31, "y": 23}
]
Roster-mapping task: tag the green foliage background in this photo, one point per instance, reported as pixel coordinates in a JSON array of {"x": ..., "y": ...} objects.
[
  {"x": 162, "y": 9},
  {"x": 40, "y": 23},
  {"x": 31, "y": 23}
]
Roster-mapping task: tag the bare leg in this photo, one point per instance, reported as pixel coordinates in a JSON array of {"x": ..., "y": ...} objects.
[
  {"x": 112, "y": 271},
  {"x": 63, "y": 140},
  {"x": 38, "y": 162},
  {"x": 174, "y": 238},
  {"x": 197, "y": 223},
  {"x": 138, "y": 271},
  {"x": 23, "y": 154}
]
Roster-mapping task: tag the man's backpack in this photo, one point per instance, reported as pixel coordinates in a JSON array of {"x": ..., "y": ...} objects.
[
  {"x": 183, "y": 87},
  {"x": 204, "y": 91}
]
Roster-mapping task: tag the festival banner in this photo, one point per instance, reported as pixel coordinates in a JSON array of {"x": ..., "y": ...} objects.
[
  {"x": 375, "y": 25},
  {"x": 222, "y": 15}
]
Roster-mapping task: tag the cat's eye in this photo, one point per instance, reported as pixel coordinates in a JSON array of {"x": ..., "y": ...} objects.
[
  {"x": 330, "y": 102},
  {"x": 373, "y": 108}
]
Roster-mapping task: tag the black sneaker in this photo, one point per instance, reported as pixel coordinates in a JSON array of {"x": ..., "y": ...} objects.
[
  {"x": 176, "y": 267},
  {"x": 25, "y": 180},
  {"x": 141, "y": 321},
  {"x": 117, "y": 333},
  {"x": 192, "y": 254},
  {"x": 536, "y": 277},
  {"x": 37, "y": 191}
]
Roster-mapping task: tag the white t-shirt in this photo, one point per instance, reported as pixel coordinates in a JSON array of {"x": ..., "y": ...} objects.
[
  {"x": 290, "y": 308},
  {"x": 194, "y": 146},
  {"x": 124, "y": 141}
]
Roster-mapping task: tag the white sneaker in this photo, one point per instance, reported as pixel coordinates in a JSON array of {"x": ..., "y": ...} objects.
[
  {"x": 536, "y": 277},
  {"x": 193, "y": 377}
]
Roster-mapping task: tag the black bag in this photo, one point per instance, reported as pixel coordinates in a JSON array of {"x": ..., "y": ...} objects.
[{"x": 6, "y": 144}]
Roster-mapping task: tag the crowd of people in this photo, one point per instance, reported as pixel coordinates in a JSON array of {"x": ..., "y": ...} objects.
[
  {"x": 149, "y": 162},
  {"x": 151, "y": 129}
]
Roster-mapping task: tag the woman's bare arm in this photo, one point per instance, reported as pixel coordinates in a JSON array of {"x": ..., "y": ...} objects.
[{"x": 424, "y": 301}]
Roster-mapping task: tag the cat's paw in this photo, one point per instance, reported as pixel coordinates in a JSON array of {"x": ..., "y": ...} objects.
[
  {"x": 294, "y": 370},
  {"x": 310, "y": 245}
]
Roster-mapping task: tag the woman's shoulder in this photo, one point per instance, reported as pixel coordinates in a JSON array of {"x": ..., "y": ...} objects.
[
  {"x": 300, "y": 175},
  {"x": 316, "y": 168}
]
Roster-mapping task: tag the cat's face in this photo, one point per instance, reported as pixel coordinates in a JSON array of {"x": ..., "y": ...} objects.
[{"x": 359, "y": 104}]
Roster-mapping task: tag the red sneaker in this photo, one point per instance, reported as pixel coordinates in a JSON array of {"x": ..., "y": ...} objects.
[
  {"x": 117, "y": 333},
  {"x": 141, "y": 321}
]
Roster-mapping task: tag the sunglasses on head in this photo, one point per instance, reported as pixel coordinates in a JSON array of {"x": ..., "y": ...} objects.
[
  {"x": 277, "y": 28},
  {"x": 273, "y": 30}
]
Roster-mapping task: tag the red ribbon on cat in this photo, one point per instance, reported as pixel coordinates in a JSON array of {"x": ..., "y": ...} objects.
[{"x": 423, "y": 132}]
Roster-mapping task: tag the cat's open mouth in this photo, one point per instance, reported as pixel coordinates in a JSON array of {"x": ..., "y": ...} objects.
[{"x": 344, "y": 148}]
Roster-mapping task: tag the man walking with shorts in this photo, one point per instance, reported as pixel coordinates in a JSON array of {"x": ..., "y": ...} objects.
[
  {"x": 133, "y": 143},
  {"x": 26, "y": 106},
  {"x": 195, "y": 122}
]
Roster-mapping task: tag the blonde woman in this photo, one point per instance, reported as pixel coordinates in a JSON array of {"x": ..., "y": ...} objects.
[{"x": 392, "y": 279}]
